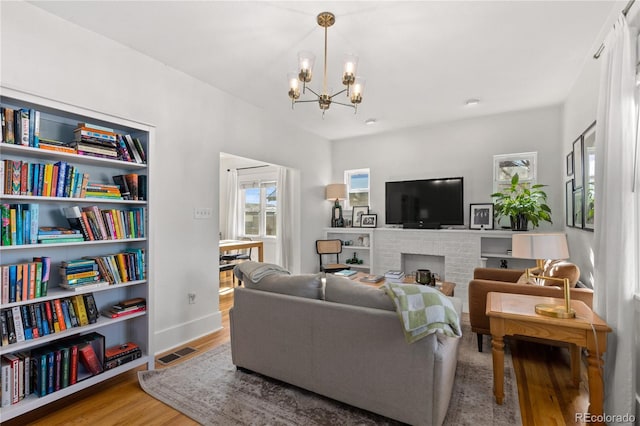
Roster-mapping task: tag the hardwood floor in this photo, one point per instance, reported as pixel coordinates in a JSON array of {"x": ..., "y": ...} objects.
[{"x": 546, "y": 394}]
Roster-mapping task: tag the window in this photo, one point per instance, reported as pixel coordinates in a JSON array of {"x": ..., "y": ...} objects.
[
  {"x": 258, "y": 203},
  {"x": 357, "y": 187}
]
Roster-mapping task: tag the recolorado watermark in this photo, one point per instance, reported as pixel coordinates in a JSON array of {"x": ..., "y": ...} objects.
[{"x": 605, "y": 418}]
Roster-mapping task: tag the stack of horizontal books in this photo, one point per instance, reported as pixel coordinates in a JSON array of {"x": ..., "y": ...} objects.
[
  {"x": 394, "y": 276},
  {"x": 126, "y": 307},
  {"x": 95, "y": 141},
  {"x": 78, "y": 273}
]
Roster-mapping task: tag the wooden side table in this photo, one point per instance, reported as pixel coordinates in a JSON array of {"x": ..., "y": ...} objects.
[{"x": 514, "y": 315}]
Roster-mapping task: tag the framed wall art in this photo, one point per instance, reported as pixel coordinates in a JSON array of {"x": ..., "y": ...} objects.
[
  {"x": 369, "y": 220},
  {"x": 356, "y": 215},
  {"x": 569, "y": 202},
  {"x": 481, "y": 216},
  {"x": 505, "y": 166}
]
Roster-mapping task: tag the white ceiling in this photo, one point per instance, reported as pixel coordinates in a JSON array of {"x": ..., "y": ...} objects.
[{"x": 422, "y": 59}]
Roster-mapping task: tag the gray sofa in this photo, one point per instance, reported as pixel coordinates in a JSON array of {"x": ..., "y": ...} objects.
[{"x": 343, "y": 340}]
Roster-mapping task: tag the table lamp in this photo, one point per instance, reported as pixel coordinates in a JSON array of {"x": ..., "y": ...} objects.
[
  {"x": 545, "y": 246},
  {"x": 337, "y": 192}
]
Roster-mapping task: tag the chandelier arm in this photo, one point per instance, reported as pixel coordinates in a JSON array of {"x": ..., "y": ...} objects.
[
  {"x": 312, "y": 91},
  {"x": 340, "y": 103},
  {"x": 338, "y": 93},
  {"x": 309, "y": 100}
]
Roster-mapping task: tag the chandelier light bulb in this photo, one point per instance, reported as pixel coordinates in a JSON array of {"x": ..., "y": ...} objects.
[
  {"x": 294, "y": 86},
  {"x": 358, "y": 88}
]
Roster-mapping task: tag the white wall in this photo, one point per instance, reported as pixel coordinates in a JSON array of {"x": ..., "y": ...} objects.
[
  {"x": 47, "y": 56},
  {"x": 461, "y": 148}
]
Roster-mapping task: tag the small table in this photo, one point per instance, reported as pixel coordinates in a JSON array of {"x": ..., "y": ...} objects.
[
  {"x": 228, "y": 245},
  {"x": 447, "y": 288},
  {"x": 514, "y": 314}
]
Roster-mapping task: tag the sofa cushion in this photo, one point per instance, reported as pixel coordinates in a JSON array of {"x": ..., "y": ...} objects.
[
  {"x": 349, "y": 292},
  {"x": 304, "y": 285}
]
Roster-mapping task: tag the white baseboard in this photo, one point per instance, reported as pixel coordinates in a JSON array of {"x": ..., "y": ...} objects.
[{"x": 177, "y": 335}]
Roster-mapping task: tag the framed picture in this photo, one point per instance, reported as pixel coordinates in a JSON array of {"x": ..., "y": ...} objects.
[
  {"x": 569, "y": 202},
  {"x": 577, "y": 163},
  {"x": 356, "y": 215},
  {"x": 481, "y": 216},
  {"x": 589, "y": 153},
  {"x": 369, "y": 220},
  {"x": 578, "y": 208},
  {"x": 505, "y": 166},
  {"x": 570, "y": 163}
]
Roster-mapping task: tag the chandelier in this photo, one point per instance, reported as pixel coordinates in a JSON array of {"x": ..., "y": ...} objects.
[{"x": 354, "y": 84}]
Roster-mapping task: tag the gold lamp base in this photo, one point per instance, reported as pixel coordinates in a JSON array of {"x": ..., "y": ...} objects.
[{"x": 555, "y": 311}]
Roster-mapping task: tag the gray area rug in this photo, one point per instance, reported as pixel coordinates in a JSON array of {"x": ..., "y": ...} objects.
[{"x": 210, "y": 390}]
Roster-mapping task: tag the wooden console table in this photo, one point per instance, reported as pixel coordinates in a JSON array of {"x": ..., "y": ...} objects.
[{"x": 514, "y": 315}]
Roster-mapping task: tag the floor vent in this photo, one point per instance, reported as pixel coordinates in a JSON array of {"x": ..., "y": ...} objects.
[{"x": 167, "y": 359}]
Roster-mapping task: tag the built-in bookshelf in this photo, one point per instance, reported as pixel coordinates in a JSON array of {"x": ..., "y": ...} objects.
[
  {"x": 129, "y": 236},
  {"x": 356, "y": 242}
]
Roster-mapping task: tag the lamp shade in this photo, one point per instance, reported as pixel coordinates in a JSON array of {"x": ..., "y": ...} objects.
[
  {"x": 336, "y": 191},
  {"x": 540, "y": 246}
]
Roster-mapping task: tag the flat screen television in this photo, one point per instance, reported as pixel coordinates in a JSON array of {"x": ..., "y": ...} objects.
[{"x": 426, "y": 203}]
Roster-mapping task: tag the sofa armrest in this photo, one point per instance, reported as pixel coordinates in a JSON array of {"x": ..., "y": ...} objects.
[
  {"x": 478, "y": 290},
  {"x": 498, "y": 274}
]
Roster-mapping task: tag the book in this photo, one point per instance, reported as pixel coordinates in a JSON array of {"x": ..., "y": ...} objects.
[
  {"x": 73, "y": 214},
  {"x": 89, "y": 359},
  {"x": 132, "y": 183},
  {"x": 14, "y": 373},
  {"x": 117, "y": 351},
  {"x": 345, "y": 273},
  {"x": 140, "y": 149},
  {"x": 7, "y": 382},
  {"x": 122, "y": 184},
  {"x": 78, "y": 305},
  {"x": 132, "y": 149},
  {"x": 91, "y": 307},
  {"x": 9, "y": 135},
  {"x": 372, "y": 279}
]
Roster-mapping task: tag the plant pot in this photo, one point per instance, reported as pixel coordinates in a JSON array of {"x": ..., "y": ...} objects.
[{"x": 519, "y": 222}]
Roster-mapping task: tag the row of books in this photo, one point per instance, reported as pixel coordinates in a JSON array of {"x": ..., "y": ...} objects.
[
  {"x": 20, "y": 224},
  {"x": 20, "y": 126},
  {"x": 123, "y": 267},
  {"x": 27, "y": 322},
  {"x": 107, "y": 224},
  {"x": 59, "y": 179},
  {"x": 51, "y": 368},
  {"x": 132, "y": 186},
  {"x": 25, "y": 281}
]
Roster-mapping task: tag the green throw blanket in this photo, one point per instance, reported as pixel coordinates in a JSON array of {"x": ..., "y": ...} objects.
[{"x": 423, "y": 310}]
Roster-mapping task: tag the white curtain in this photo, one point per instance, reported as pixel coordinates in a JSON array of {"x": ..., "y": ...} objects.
[
  {"x": 231, "y": 228},
  {"x": 284, "y": 219},
  {"x": 617, "y": 221}
]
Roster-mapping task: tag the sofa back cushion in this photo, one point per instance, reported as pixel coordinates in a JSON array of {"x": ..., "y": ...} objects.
[
  {"x": 304, "y": 285},
  {"x": 349, "y": 292}
]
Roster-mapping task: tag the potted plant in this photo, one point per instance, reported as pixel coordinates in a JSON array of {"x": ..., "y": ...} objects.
[{"x": 522, "y": 204}]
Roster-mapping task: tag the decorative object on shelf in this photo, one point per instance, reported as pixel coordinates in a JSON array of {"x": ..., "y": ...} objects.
[
  {"x": 522, "y": 203},
  {"x": 337, "y": 192},
  {"x": 506, "y": 166},
  {"x": 354, "y": 84},
  {"x": 354, "y": 260},
  {"x": 369, "y": 220},
  {"x": 545, "y": 246},
  {"x": 481, "y": 216},
  {"x": 356, "y": 215}
]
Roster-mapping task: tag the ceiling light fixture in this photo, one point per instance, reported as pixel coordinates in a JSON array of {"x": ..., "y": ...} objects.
[
  {"x": 370, "y": 121},
  {"x": 355, "y": 84},
  {"x": 472, "y": 102}
]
